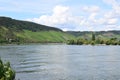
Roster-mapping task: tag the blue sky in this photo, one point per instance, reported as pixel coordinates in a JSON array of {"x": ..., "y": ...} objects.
[{"x": 76, "y": 15}]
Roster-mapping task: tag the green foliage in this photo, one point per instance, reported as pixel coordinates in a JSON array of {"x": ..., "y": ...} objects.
[
  {"x": 93, "y": 36},
  {"x": 93, "y": 42},
  {"x": 71, "y": 41},
  {"x": 102, "y": 37},
  {"x": 6, "y": 72}
]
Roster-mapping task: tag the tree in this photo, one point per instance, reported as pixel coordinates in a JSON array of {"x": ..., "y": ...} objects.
[
  {"x": 70, "y": 42},
  {"x": 93, "y": 37}
]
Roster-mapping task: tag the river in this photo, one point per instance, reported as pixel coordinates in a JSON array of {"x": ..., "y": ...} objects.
[{"x": 63, "y": 62}]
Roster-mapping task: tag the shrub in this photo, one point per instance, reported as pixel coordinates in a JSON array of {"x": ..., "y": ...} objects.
[{"x": 6, "y": 72}]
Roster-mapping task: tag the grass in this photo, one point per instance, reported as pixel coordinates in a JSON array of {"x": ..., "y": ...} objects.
[{"x": 44, "y": 36}]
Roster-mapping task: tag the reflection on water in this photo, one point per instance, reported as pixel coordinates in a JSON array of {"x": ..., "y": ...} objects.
[{"x": 63, "y": 62}]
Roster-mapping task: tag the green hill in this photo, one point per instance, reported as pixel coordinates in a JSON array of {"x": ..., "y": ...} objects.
[
  {"x": 12, "y": 30},
  {"x": 18, "y": 25},
  {"x": 99, "y": 34},
  {"x": 44, "y": 36}
]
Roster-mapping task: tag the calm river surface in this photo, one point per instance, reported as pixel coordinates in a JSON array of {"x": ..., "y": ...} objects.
[{"x": 63, "y": 62}]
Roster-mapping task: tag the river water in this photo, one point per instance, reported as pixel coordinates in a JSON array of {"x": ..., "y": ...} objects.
[{"x": 63, "y": 62}]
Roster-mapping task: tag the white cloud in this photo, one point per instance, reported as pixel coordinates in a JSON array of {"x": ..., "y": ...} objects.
[
  {"x": 110, "y": 18},
  {"x": 109, "y": 14},
  {"x": 62, "y": 17},
  {"x": 110, "y": 1},
  {"x": 92, "y": 17},
  {"x": 91, "y": 9},
  {"x": 112, "y": 21},
  {"x": 115, "y": 6},
  {"x": 107, "y": 21}
]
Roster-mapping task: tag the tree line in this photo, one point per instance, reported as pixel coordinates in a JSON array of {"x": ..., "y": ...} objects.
[{"x": 94, "y": 41}]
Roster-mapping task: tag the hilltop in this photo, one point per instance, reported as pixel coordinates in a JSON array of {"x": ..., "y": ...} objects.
[{"x": 19, "y": 25}]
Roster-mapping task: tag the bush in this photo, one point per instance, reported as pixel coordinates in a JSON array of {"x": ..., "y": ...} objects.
[{"x": 6, "y": 72}]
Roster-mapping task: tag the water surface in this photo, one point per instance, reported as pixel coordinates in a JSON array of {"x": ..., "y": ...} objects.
[{"x": 63, "y": 62}]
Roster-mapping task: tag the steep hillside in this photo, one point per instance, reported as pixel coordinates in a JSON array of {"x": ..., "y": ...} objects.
[
  {"x": 44, "y": 36},
  {"x": 12, "y": 30}
]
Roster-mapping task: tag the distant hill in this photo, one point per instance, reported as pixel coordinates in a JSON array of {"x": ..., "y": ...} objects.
[
  {"x": 98, "y": 34},
  {"x": 12, "y": 30}
]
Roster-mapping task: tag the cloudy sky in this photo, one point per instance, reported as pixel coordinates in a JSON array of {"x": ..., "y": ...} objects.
[{"x": 75, "y": 15}]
